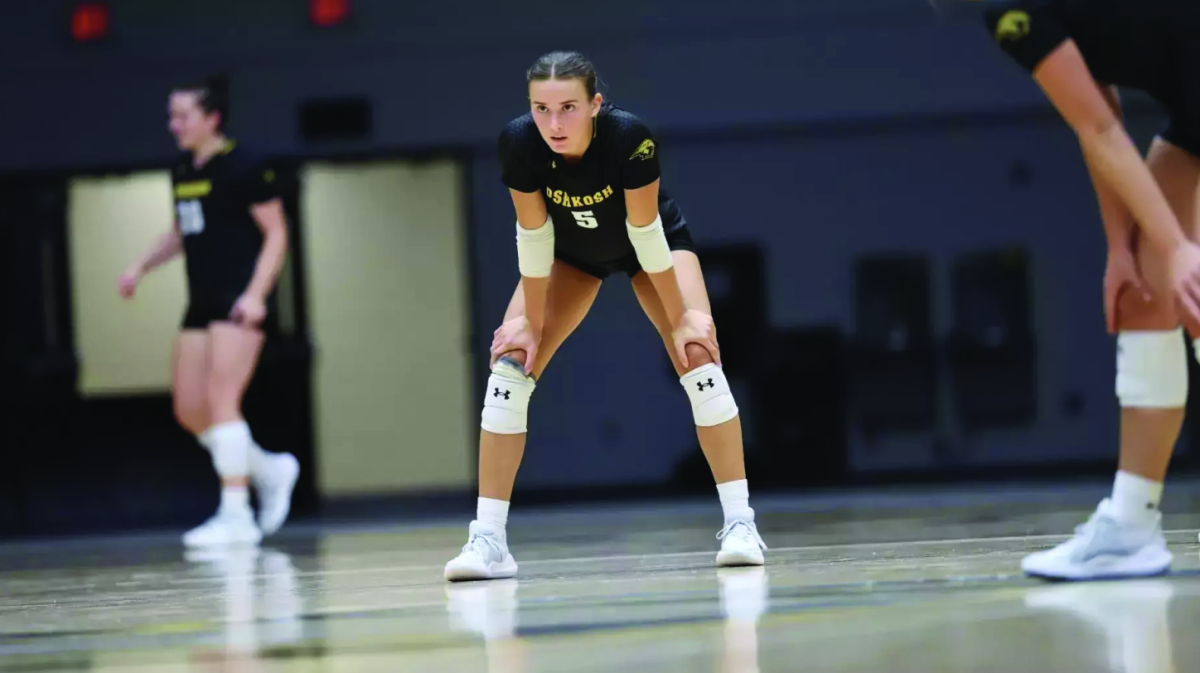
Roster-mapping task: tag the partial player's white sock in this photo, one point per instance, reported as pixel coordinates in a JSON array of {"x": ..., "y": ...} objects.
[
  {"x": 735, "y": 500},
  {"x": 235, "y": 499},
  {"x": 1135, "y": 497},
  {"x": 258, "y": 458},
  {"x": 493, "y": 513}
]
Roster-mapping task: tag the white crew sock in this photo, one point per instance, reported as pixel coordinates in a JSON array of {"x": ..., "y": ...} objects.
[
  {"x": 1134, "y": 498},
  {"x": 235, "y": 499},
  {"x": 229, "y": 444},
  {"x": 492, "y": 513},
  {"x": 735, "y": 501}
]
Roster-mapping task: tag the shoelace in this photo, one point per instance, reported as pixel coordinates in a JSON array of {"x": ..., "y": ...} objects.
[
  {"x": 482, "y": 544},
  {"x": 749, "y": 532}
]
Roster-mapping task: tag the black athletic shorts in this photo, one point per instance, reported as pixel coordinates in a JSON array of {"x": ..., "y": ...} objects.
[
  {"x": 204, "y": 310},
  {"x": 1184, "y": 133},
  {"x": 680, "y": 239}
]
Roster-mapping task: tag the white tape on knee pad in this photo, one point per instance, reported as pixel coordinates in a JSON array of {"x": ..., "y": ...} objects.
[
  {"x": 506, "y": 404},
  {"x": 712, "y": 400},
  {"x": 1152, "y": 370}
]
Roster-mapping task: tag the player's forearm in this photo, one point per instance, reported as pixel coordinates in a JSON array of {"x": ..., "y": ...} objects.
[
  {"x": 516, "y": 305},
  {"x": 167, "y": 247},
  {"x": 666, "y": 284},
  {"x": 1114, "y": 214},
  {"x": 1116, "y": 161},
  {"x": 534, "y": 297},
  {"x": 270, "y": 262}
]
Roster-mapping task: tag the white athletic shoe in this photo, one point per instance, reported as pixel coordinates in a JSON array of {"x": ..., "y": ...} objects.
[
  {"x": 1105, "y": 548},
  {"x": 274, "y": 487},
  {"x": 740, "y": 545},
  {"x": 484, "y": 557},
  {"x": 227, "y": 528}
]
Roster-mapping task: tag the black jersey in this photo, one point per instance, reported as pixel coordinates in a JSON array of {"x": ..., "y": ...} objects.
[
  {"x": 586, "y": 200},
  {"x": 1150, "y": 45},
  {"x": 221, "y": 240}
]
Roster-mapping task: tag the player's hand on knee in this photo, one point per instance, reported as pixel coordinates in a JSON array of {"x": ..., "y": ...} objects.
[
  {"x": 1121, "y": 275},
  {"x": 697, "y": 327},
  {"x": 1185, "y": 279},
  {"x": 515, "y": 335}
]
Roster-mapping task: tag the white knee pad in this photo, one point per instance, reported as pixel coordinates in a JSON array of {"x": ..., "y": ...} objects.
[
  {"x": 1152, "y": 370},
  {"x": 506, "y": 404},
  {"x": 712, "y": 401}
]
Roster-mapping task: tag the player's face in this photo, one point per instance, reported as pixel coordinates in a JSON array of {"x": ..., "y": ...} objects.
[
  {"x": 190, "y": 124},
  {"x": 563, "y": 113}
]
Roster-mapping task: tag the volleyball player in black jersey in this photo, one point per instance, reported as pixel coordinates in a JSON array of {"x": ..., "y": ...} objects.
[
  {"x": 1079, "y": 52},
  {"x": 231, "y": 228},
  {"x": 584, "y": 178}
]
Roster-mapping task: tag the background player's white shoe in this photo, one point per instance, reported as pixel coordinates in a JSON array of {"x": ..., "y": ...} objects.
[
  {"x": 1105, "y": 548},
  {"x": 484, "y": 557},
  {"x": 740, "y": 545},
  {"x": 228, "y": 528},
  {"x": 274, "y": 484}
]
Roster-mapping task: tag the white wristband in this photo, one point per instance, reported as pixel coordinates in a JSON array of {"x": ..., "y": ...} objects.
[
  {"x": 535, "y": 249},
  {"x": 650, "y": 244}
]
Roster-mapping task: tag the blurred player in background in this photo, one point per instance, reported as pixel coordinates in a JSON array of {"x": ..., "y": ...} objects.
[
  {"x": 584, "y": 178},
  {"x": 1079, "y": 52},
  {"x": 230, "y": 226}
]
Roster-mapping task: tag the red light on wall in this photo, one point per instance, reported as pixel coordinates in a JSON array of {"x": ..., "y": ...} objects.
[
  {"x": 90, "y": 21},
  {"x": 326, "y": 13}
]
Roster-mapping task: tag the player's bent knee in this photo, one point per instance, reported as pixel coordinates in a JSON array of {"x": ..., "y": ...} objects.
[
  {"x": 697, "y": 356},
  {"x": 1135, "y": 314},
  {"x": 506, "y": 404},
  {"x": 1152, "y": 369},
  {"x": 712, "y": 400}
]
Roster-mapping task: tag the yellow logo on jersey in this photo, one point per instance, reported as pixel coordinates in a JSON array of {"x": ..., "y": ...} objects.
[
  {"x": 193, "y": 190},
  {"x": 644, "y": 151},
  {"x": 1014, "y": 25},
  {"x": 562, "y": 198},
  {"x": 269, "y": 176}
]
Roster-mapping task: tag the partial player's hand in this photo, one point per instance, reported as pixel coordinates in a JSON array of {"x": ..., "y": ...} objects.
[
  {"x": 1121, "y": 275},
  {"x": 697, "y": 327},
  {"x": 516, "y": 335},
  {"x": 1185, "y": 277},
  {"x": 128, "y": 282},
  {"x": 249, "y": 311}
]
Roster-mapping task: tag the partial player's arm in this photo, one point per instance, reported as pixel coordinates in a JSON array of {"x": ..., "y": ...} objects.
[
  {"x": 535, "y": 255},
  {"x": 646, "y": 233},
  {"x": 166, "y": 247},
  {"x": 1114, "y": 214},
  {"x": 271, "y": 220},
  {"x": 1109, "y": 151}
]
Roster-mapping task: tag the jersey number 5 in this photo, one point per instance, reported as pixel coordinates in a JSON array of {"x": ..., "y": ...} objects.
[
  {"x": 191, "y": 218},
  {"x": 585, "y": 219}
]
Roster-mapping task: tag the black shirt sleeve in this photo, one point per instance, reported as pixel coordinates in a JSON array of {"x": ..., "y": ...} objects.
[
  {"x": 516, "y": 163},
  {"x": 639, "y": 154},
  {"x": 1026, "y": 30},
  {"x": 259, "y": 183}
]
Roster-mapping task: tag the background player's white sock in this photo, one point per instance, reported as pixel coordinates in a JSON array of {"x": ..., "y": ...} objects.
[
  {"x": 735, "y": 500},
  {"x": 1134, "y": 497},
  {"x": 493, "y": 513},
  {"x": 258, "y": 458},
  {"x": 229, "y": 444}
]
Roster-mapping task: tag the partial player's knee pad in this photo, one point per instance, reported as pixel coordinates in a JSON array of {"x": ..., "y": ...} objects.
[
  {"x": 712, "y": 400},
  {"x": 1152, "y": 370},
  {"x": 506, "y": 404}
]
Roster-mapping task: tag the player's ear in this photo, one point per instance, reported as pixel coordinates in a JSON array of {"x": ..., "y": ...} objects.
[{"x": 597, "y": 101}]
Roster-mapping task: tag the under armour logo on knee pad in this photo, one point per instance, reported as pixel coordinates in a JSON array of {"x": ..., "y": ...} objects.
[
  {"x": 705, "y": 384},
  {"x": 504, "y": 394}
]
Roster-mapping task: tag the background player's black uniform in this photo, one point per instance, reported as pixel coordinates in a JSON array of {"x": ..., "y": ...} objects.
[
  {"x": 586, "y": 200},
  {"x": 221, "y": 240},
  {"x": 1151, "y": 45}
]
